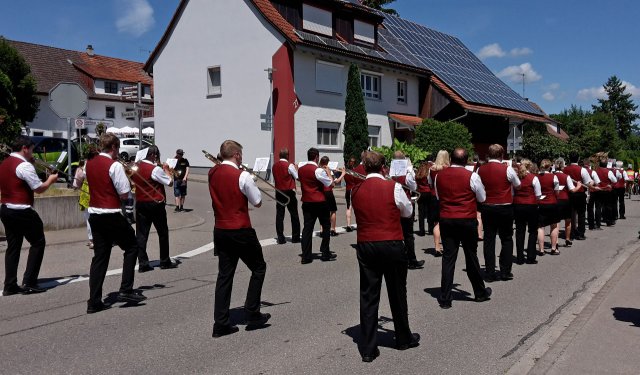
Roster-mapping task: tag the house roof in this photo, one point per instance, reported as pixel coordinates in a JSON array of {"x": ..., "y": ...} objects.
[
  {"x": 50, "y": 66},
  {"x": 407, "y": 120}
]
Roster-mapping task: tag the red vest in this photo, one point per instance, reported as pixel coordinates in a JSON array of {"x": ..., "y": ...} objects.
[
  {"x": 620, "y": 184},
  {"x": 284, "y": 180},
  {"x": 603, "y": 174},
  {"x": 575, "y": 172},
  {"x": 496, "y": 184},
  {"x": 423, "y": 185},
  {"x": 13, "y": 189},
  {"x": 563, "y": 194},
  {"x": 457, "y": 200},
  {"x": 547, "y": 188},
  {"x": 230, "y": 206},
  {"x": 151, "y": 190},
  {"x": 312, "y": 189},
  {"x": 526, "y": 194},
  {"x": 379, "y": 221},
  {"x": 433, "y": 174},
  {"x": 103, "y": 192}
]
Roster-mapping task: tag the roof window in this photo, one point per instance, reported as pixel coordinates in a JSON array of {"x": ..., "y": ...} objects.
[{"x": 317, "y": 20}]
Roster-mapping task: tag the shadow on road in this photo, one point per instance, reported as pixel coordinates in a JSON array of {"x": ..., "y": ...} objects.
[
  {"x": 386, "y": 337},
  {"x": 456, "y": 294},
  {"x": 627, "y": 314}
]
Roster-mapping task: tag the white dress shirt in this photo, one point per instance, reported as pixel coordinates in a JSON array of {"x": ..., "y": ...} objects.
[
  {"x": 584, "y": 175},
  {"x": 400, "y": 197},
  {"x": 120, "y": 182},
  {"x": 27, "y": 173},
  {"x": 321, "y": 175},
  {"x": 158, "y": 174},
  {"x": 595, "y": 178},
  {"x": 537, "y": 190},
  {"x": 474, "y": 182},
  {"x": 247, "y": 186},
  {"x": 292, "y": 169}
]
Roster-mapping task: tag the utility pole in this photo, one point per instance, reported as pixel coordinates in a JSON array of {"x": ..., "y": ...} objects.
[
  {"x": 270, "y": 121},
  {"x": 523, "y": 85}
]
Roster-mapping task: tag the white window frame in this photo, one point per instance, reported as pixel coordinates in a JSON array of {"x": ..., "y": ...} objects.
[
  {"x": 330, "y": 126},
  {"x": 214, "y": 91},
  {"x": 317, "y": 20},
  {"x": 323, "y": 84},
  {"x": 368, "y": 90},
  {"x": 364, "y": 32},
  {"x": 402, "y": 91},
  {"x": 377, "y": 129}
]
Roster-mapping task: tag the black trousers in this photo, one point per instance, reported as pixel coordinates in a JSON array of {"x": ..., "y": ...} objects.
[
  {"x": 148, "y": 213},
  {"x": 377, "y": 260},
  {"x": 455, "y": 232},
  {"x": 604, "y": 201},
  {"x": 409, "y": 239},
  {"x": 310, "y": 212},
  {"x": 591, "y": 204},
  {"x": 293, "y": 212},
  {"x": 424, "y": 207},
  {"x": 498, "y": 219},
  {"x": 526, "y": 217},
  {"x": 108, "y": 229},
  {"x": 233, "y": 245},
  {"x": 619, "y": 194},
  {"x": 18, "y": 225},
  {"x": 578, "y": 207}
]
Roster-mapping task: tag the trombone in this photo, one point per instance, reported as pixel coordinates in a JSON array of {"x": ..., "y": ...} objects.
[
  {"x": 130, "y": 171},
  {"x": 363, "y": 177},
  {"x": 242, "y": 167}
]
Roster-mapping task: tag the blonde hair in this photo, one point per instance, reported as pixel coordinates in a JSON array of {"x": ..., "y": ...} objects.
[
  {"x": 442, "y": 161},
  {"x": 545, "y": 164},
  {"x": 526, "y": 166}
]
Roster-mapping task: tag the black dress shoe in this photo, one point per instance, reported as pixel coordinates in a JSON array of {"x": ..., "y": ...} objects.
[
  {"x": 506, "y": 276},
  {"x": 145, "y": 268},
  {"x": 413, "y": 342},
  {"x": 223, "y": 331},
  {"x": 348, "y": 229},
  {"x": 131, "y": 297},
  {"x": 257, "y": 320},
  {"x": 11, "y": 290},
  {"x": 32, "y": 289},
  {"x": 567, "y": 243},
  {"x": 490, "y": 277},
  {"x": 93, "y": 308},
  {"x": 281, "y": 241},
  {"x": 328, "y": 257},
  {"x": 333, "y": 233},
  {"x": 169, "y": 265},
  {"x": 486, "y": 297},
  {"x": 533, "y": 261},
  {"x": 415, "y": 264},
  {"x": 622, "y": 218},
  {"x": 295, "y": 240},
  {"x": 444, "y": 304},
  {"x": 306, "y": 261},
  {"x": 420, "y": 233},
  {"x": 371, "y": 357},
  {"x": 581, "y": 238},
  {"x": 520, "y": 261}
]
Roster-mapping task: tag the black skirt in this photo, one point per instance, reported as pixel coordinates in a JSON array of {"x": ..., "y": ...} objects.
[
  {"x": 331, "y": 201},
  {"x": 564, "y": 209},
  {"x": 548, "y": 214}
]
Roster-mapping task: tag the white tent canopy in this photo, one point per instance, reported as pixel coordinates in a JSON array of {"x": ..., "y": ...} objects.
[
  {"x": 148, "y": 130},
  {"x": 129, "y": 130},
  {"x": 114, "y": 130}
]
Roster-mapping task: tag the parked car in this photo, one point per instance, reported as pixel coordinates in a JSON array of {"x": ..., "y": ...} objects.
[
  {"x": 53, "y": 151},
  {"x": 129, "y": 147}
]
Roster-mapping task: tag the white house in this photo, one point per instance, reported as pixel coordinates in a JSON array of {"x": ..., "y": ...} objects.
[{"x": 211, "y": 81}]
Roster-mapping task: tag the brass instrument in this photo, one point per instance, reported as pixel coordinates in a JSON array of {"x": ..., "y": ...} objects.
[
  {"x": 130, "y": 171},
  {"x": 363, "y": 177},
  {"x": 287, "y": 199}
]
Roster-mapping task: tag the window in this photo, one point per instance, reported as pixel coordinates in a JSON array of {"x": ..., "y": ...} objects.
[
  {"x": 364, "y": 32},
  {"x": 328, "y": 133},
  {"x": 317, "y": 20},
  {"x": 329, "y": 77},
  {"x": 110, "y": 112},
  {"x": 402, "y": 92},
  {"x": 374, "y": 136},
  {"x": 38, "y": 134},
  {"x": 130, "y": 118},
  {"x": 110, "y": 87},
  {"x": 214, "y": 81},
  {"x": 146, "y": 90},
  {"x": 370, "y": 85}
]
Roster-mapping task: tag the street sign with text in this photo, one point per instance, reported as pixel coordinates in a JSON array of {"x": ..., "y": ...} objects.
[{"x": 129, "y": 114}]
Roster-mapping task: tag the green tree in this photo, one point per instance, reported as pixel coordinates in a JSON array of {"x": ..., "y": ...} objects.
[
  {"x": 537, "y": 146},
  {"x": 18, "y": 101},
  {"x": 380, "y": 5},
  {"x": 100, "y": 129},
  {"x": 356, "y": 125},
  {"x": 598, "y": 134},
  {"x": 433, "y": 136},
  {"x": 413, "y": 152},
  {"x": 573, "y": 120},
  {"x": 619, "y": 105}
]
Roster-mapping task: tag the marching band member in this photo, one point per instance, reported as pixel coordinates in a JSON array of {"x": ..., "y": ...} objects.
[
  {"x": 313, "y": 180},
  {"x": 578, "y": 198},
  {"x": 564, "y": 205},
  {"x": 442, "y": 162},
  {"x": 150, "y": 180},
  {"x": 109, "y": 186},
  {"x": 231, "y": 190},
  {"x": 619, "y": 189},
  {"x": 458, "y": 191},
  {"x": 548, "y": 207},
  {"x": 328, "y": 194},
  {"x": 424, "y": 202},
  {"x": 525, "y": 211},
  {"x": 381, "y": 254},
  {"x": 593, "y": 190},
  {"x": 604, "y": 210},
  {"x": 18, "y": 182},
  {"x": 285, "y": 175},
  {"x": 350, "y": 182},
  {"x": 499, "y": 181},
  {"x": 408, "y": 180}
]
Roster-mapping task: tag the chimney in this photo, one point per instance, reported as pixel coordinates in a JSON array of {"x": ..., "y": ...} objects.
[{"x": 90, "y": 50}]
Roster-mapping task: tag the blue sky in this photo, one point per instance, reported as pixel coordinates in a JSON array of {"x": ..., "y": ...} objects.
[{"x": 567, "y": 49}]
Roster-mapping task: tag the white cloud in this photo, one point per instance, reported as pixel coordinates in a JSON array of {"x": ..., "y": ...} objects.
[
  {"x": 514, "y": 73},
  {"x": 492, "y": 50},
  {"x": 554, "y": 86},
  {"x": 520, "y": 52},
  {"x": 599, "y": 93},
  {"x": 136, "y": 17},
  {"x": 548, "y": 96}
]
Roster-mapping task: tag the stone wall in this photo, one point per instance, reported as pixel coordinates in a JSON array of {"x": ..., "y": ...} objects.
[{"x": 58, "y": 212}]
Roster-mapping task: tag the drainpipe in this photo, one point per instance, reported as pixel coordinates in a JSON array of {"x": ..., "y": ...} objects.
[{"x": 466, "y": 113}]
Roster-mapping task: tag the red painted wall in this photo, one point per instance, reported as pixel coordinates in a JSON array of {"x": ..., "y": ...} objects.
[{"x": 285, "y": 101}]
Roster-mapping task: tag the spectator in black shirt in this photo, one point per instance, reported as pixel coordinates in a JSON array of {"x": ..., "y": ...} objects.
[{"x": 180, "y": 182}]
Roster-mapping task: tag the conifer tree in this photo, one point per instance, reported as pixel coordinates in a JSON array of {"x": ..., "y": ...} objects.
[
  {"x": 620, "y": 106},
  {"x": 356, "y": 125}
]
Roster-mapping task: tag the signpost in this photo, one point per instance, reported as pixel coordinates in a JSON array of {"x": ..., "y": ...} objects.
[
  {"x": 135, "y": 92},
  {"x": 68, "y": 100},
  {"x": 514, "y": 141}
]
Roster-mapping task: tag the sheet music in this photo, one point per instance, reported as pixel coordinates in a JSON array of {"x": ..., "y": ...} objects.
[
  {"x": 142, "y": 154},
  {"x": 172, "y": 163},
  {"x": 469, "y": 168},
  {"x": 398, "y": 167},
  {"x": 333, "y": 165},
  {"x": 261, "y": 164},
  {"x": 61, "y": 158}
]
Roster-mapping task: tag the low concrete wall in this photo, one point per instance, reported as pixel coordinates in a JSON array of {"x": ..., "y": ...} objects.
[{"x": 58, "y": 212}]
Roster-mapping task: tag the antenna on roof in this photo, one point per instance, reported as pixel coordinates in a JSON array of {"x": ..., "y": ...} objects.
[
  {"x": 523, "y": 85},
  {"x": 141, "y": 49}
]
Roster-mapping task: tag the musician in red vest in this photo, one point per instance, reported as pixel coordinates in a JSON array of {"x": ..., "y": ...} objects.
[
  {"x": 619, "y": 191},
  {"x": 313, "y": 180},
  {"x": 548, "y": 207},
  {"x": 424, "y": 202},
  {"x": 285, "y": 175},
  {"x": 458, "y": 191},
  {"x": 231, "y": 191},
  {"x": 567, "y": 187},
  {"x": 499, "y": 180},
  {"x": 18, "y": 182},
  {"x": 525, "y": 212},
  {"x": 606, "y": 203},
  {"x": 381, "y": 254},
  {"x": 109, "y": 186},
  {"x": 150, "y": 180},
  {"x": 578, "y": 199},
  {"x": 350, "y": 182},
  {"x": 593, "y": 190}
]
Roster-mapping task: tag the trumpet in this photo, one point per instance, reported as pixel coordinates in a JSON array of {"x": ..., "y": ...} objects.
[
  {"x": 133, "y": 170},
  {"x": 363, "y": 177},
  {"x": 284, "y": 203}
]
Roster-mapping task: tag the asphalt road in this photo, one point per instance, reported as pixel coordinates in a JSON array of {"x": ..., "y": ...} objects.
[{"x": 314, "y": 308}]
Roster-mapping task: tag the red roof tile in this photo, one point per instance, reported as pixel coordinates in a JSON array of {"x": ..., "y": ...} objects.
[{"x": 406, "y": 119}]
